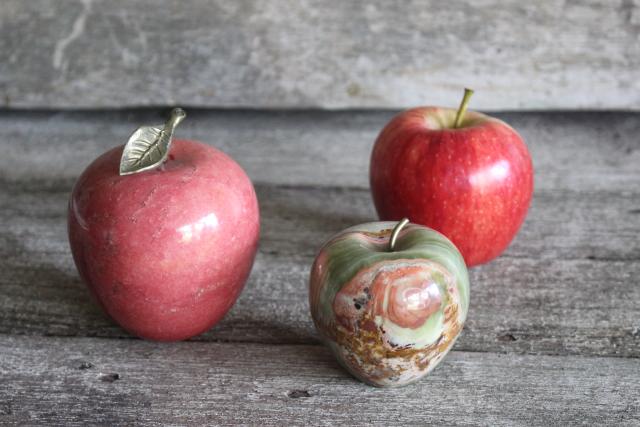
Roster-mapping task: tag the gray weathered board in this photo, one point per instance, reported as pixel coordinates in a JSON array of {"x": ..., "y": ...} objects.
[
  {"x": 78, "y": 381},
  {"x": 553, "y": 335},
  {"x": 547, "y": 54}
]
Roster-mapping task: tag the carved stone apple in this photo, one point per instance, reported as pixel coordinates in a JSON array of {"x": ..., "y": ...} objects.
[
  {"x": 163, "y": 234},
  {"x": 389, "y": 303}
]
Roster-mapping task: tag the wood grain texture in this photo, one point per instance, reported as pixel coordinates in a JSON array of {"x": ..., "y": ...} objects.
[
  {"x": 568, "y": 284},
  {"x": 93, "y": 381},
  {"x": 573, "y": 151},
  {"x": 544, "y": 321},
  {"x": 547, "y": 54}
]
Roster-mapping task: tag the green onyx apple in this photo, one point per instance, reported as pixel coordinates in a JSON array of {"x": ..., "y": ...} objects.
[{"x": 389, "y": 299}]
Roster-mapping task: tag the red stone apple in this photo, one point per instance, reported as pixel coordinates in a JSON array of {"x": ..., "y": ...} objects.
[
  {"x": 469, "y": 176},
  {"x": 167, "y": 251}
]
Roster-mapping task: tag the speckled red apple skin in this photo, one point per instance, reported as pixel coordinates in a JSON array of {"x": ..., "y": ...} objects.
[
  {"x": 473, "y": 184},
  {"x": 165, "y": 252}
]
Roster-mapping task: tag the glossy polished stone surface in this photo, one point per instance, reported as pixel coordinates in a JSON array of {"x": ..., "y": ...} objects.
[
  {"x": 389, "y": 316},
  {"x": 165, "y": 252}
]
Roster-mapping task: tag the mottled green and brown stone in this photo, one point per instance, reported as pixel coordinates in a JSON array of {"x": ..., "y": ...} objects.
[{"x": 364, "y": 340}]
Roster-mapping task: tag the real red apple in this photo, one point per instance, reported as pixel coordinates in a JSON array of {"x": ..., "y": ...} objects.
[
  {"x": 167, "y": 251},
  {"x": 472, "y": 180}
]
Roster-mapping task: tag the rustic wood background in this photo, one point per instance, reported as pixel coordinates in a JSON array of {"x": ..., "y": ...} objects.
[
  {"x": 553, "y": 335},
  {"x": 548, "y": 54}
]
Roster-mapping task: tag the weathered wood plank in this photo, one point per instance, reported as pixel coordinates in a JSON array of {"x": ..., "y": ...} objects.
[
  {"x": 109, "y": 382},
  {"x": 574, "y": 151},
  {"x": 547, "y": 54},
  {"x": 568, "y": 284}
]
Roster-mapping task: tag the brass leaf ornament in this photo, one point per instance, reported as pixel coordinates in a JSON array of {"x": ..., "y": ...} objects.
[{"x": 148, "y": 147}]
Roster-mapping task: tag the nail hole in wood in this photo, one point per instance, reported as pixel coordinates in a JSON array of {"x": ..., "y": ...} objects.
[{"x": 297, "y": 394}]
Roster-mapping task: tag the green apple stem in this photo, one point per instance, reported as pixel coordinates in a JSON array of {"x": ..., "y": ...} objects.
[
  {"x": 462, "y": 108},
  {"x": 396, "y": 232}
]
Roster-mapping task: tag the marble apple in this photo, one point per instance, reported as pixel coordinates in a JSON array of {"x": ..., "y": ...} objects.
[
  {"x": 389, "y": 299},
  {"x": 465, "y": 174},
  {"x": 164, "y": 234}
]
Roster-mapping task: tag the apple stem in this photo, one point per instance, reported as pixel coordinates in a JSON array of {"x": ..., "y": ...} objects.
[
  {"x": 396, "y": 232},
  {"x": 462, "y": 108},
  {"x": 177, "y": 115}
]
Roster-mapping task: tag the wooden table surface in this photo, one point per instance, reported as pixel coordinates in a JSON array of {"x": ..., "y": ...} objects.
[{"x": 552, "y": 337}]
